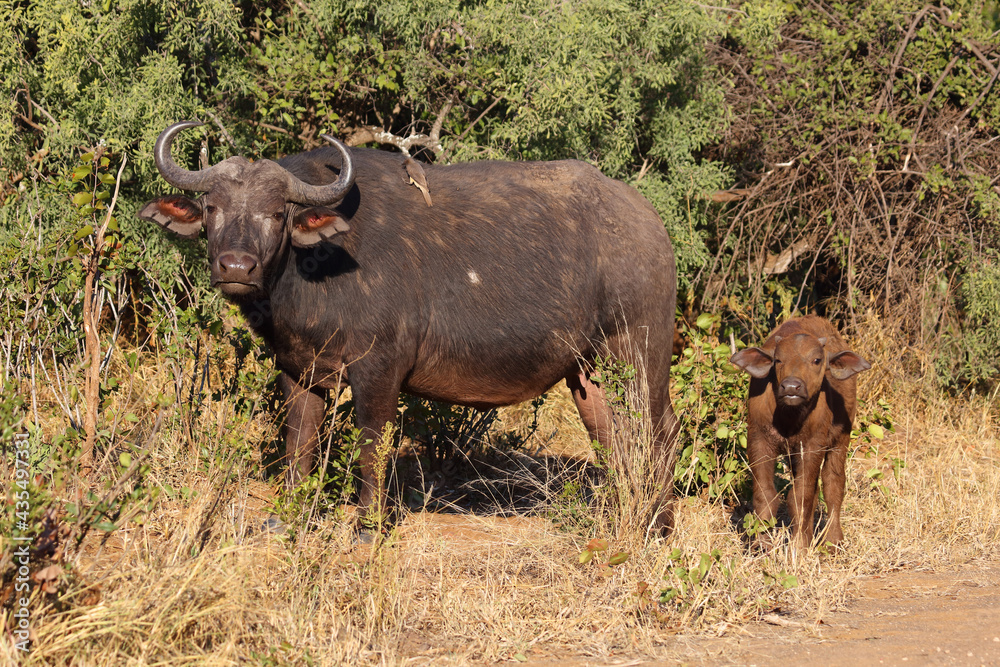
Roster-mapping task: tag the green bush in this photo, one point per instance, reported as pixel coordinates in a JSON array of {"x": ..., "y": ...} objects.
[{"x": 710, "y": 400}]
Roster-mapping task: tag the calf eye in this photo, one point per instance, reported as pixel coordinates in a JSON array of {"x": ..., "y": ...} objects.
[{"x": 817, "y": 361}]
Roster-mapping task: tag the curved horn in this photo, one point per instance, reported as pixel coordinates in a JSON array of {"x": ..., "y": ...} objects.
[
  {"x": 324, "y": 195},
  {"x": 171, "y": 173}
]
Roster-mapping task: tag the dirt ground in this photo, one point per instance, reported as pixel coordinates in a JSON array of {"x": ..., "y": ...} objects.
[
  {"x": 903, "y": 617},
  {"x": 899, "y": 618}
]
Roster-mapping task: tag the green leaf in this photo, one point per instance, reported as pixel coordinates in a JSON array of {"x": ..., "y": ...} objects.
[
  {"x": 597, "y": 544},
  {"x": 705, "y": 321},
  {"x": 125, "y": 459},
  {"x": 876, "y": 431},
  {"x": 586, "y": 556},
  {"x": 86, "y": 230},
  {"x": 81, "y": 198},
  {"x": 618, "y": 558}
]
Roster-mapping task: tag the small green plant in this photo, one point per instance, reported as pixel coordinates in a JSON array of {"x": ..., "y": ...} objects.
[
  {"x": 754, "y": 526},
  {"x": 872, "y": 425},
  {"x": 617, "y": 379},
  {"x": 570, "y": 509},
  {"x": 327, "y": 487},
  {"x": 689, "y": 585},
  {"x": 782, "y": 578},
  {"x": 377, "y": 515},
  {"x": 710, "y": 401},
  {"x": 596, "y": 546}
]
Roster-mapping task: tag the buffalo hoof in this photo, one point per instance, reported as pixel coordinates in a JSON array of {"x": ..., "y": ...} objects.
[{"x": 274, "y": 526}]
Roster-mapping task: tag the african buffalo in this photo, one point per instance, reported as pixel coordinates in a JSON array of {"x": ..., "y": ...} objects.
[
  {"x": 802, "y": 404},
  {"x": 484, "y": 287}
]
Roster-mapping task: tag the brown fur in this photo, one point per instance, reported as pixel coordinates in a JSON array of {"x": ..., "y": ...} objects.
[{"x": 802, "y": 404}]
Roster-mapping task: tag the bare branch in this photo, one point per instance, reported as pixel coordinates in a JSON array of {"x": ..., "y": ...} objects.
[
  {"x": 225, "y": 133},
  {"x": 471, "y": 125},
  {"x": 439, "y": 121},
  {"x": 372, "y": 134},
  {"x": 898, "y": 58}
]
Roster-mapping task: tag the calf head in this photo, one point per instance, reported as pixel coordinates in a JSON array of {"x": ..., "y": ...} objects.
[
  {"x": 797, "y": 366},
  {"x": 251, "y": 212}
]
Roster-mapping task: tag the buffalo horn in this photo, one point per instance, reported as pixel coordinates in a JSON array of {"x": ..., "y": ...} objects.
[
  {"x": 178, "y": 177},
  {"x": 322, "y": 195}
]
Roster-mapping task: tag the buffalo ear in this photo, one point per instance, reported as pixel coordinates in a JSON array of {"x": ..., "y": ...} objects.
[
  {"x": 179, "y": 214},
  {"x": 845, "y": 364},
  {"x": 313, "y": 226},
  {"x": 754, "y": 361}
]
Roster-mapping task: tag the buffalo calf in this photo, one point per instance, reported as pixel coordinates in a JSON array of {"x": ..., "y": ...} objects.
[{"x": 802, "y": 404}]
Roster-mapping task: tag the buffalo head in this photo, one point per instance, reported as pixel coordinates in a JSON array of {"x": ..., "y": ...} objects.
[
  {"x": 251, "y": 211},
  {"x": 797, "y": 366}
]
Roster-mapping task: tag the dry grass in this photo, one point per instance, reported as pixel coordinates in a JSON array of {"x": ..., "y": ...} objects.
[{"x": 198, "y": 582}]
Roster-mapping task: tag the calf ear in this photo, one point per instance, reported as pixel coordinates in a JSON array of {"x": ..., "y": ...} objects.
[
  {"x": 178, "y": 213},
  {"x": 845, "y": 364},
  {"x": 754, "y": 361},
  {"x": 313, "y": 226}
]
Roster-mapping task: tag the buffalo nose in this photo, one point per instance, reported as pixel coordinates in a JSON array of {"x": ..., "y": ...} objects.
[
  {"x": 236, "y": 266},
  {"x": 792, "y": 387}
]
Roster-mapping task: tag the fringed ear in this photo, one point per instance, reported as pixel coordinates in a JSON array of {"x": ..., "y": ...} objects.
[
  {"x": 177, "y": 213},
  {"x": 845, "y": 364},
  {"x": 316, "y": 225},
  {"x": 754, "y": 361}
]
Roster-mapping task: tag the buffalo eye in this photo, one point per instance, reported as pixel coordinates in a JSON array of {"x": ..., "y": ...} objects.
[
  {"x": 817, "y": 361},
  {"x": 209, "y": 209}
]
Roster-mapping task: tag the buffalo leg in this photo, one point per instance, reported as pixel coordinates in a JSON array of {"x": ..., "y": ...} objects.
[
  {"x": 665, "y": 428},
  {"x": 806, "y": 462},
  {"x": 598, "y": 418},
  {"x": 593, "y": 407},
  {"x": 375, "y": 411},
  {"x": 833, "y": 488},
  {"x": 305, "y": 408}
]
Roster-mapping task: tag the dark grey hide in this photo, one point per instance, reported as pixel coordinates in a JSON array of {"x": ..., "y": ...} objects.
[{"x": 515, "y": 277}]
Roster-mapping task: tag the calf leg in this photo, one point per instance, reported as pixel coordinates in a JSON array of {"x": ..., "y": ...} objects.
[
  {"x": 833, "y": 488},
  {"x": 765, "y": 494},
  {"x": 305, "y": 408},
  {"x": 806, "y": 462}
]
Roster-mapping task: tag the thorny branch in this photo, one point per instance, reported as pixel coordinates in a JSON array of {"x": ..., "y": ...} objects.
[{"x": 854, "y": 192}]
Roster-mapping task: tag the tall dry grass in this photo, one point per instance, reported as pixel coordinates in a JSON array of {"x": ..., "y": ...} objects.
[{"x": 199, "y": 582}]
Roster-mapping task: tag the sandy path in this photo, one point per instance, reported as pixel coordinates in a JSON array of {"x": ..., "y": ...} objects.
[{"x": 900, "y": 618}]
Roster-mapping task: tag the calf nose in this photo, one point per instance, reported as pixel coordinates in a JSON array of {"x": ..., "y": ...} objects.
[
  {"x": 792, "y": 387},
  {"x": 237, "y": 267}
]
